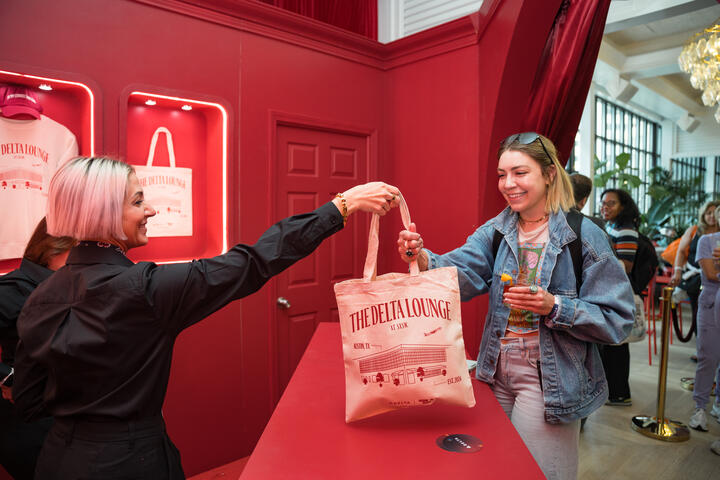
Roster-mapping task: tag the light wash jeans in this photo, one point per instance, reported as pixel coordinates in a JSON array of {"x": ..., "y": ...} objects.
[
  {"x": 517, "y": 388},
  {"x": 708, "y": 350}
]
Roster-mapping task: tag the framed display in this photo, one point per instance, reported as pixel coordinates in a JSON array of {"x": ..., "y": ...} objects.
[
  {"x": 64, "y": 107},
  {"x": 178, "y": 145}
]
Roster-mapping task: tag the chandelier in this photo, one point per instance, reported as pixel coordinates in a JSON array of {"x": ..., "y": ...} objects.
[{"x": 701, "y": 59}]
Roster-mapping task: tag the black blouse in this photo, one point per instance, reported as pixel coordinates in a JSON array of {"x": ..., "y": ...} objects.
[
  {"x": 96, "y": 338},
  {"x": 15, "y": 288}
]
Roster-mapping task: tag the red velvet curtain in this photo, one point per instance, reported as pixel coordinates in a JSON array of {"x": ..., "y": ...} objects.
[
  {"x": 359, "y": 16},
  {"x": 565, "y": 72}
]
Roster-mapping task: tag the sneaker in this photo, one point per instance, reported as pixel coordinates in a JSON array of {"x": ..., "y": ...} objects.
[
  {"x": 715, "y": 446},
  {"x": 715, "y": 411},
  {"x": 699, "y": 420},
  {"x": 619, "y": 401}
]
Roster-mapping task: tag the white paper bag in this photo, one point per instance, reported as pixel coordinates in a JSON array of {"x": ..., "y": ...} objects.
[{"x": 168, "y": 190}]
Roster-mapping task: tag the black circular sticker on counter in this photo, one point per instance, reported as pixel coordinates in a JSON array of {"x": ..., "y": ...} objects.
[{"x": 459, "y": 442}]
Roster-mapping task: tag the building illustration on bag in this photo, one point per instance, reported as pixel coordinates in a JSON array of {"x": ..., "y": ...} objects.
[{"x": 404, "y": 364}]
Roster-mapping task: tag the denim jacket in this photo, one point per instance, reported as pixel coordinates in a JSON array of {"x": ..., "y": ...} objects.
[{"x": 573, "y": 379}]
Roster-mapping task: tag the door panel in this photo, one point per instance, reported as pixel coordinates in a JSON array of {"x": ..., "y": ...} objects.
[{"x": 312, "y": 165}]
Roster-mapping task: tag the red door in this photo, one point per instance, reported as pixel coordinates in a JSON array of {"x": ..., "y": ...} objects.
[{"x": 311, "y": 166}]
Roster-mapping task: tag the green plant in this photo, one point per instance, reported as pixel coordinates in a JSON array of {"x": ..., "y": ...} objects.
[
  {"x": 671, "y": 199},
  {"x": 681, "y": 198},
  {"x": 621, "y": 172}
]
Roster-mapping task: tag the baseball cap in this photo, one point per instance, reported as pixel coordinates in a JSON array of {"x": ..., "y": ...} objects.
[{"x": 17, "y": 99}]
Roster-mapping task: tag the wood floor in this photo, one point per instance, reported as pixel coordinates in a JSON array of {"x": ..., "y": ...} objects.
[{"x": 611, "y": 449}]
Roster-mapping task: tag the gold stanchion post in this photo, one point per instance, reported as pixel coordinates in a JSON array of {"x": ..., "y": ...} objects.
[{"x": 659, "y": 427}]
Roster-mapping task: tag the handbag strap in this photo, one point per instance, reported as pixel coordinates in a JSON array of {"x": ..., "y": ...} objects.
[
  {"x": 168, "y": 141},
  {"x": 370, "y": 270}
]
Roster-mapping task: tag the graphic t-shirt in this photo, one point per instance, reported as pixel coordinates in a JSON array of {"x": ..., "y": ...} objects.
[
  {"x": 31, "y": 151},
  {"x": 531, "y": 250}
]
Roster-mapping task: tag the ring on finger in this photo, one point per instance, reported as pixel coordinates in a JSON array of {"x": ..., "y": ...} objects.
[{"x": 533, "y": 289}]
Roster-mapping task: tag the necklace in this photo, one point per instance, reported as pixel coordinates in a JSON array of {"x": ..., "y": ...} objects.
[{"x": 533, "y": 221}]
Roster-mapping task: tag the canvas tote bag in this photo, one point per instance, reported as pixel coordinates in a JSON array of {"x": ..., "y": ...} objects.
[
  {"x": 168, "y": 190},
  {"x": 402, "y": 337}
]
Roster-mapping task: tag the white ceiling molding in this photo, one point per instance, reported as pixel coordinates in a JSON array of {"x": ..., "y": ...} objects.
[{"x": 631, "y": 13}]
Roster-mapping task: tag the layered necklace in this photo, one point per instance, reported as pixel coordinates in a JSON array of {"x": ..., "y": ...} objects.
[{"x": 544, "y": 217}]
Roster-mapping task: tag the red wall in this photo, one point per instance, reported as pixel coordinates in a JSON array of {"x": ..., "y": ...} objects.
[{"x": 440, "y": 102}]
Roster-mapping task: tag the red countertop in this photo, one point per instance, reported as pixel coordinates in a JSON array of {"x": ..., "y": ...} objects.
[{"x": 307, "y": 437}]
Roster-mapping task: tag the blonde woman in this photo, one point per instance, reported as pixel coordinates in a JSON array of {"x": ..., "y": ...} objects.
[
  {"x": 542, "y": 364},
  {"x": 96, "y": 338}
]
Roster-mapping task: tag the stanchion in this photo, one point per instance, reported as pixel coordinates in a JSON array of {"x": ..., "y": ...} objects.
[{"x": 658, "y": 426}]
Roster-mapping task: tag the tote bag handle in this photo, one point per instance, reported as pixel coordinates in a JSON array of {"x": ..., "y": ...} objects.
[
  {"x": 168, "y": 141},
  {"x": 370, "y": 270}
]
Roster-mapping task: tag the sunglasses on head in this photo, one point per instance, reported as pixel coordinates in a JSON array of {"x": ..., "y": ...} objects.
[{"x": 526, "y": 138}]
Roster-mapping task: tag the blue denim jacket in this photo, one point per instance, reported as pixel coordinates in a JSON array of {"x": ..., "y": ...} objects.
[{"x": 573, "y": 379}]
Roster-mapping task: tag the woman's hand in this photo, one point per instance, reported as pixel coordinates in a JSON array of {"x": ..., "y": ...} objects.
[
  {"x": 410, "y": 247},
  {"x": 676, "y": 277},
  {"x": 521, "y": 298},
  {"x": 373, "y": 197}
]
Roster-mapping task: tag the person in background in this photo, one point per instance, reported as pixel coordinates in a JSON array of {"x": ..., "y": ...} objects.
[
  {"x": 97, "y": 337},
  {"x": 686, "y": 253},
  {"x": 621, "y": 213},
  {"x": 544, "y": 394},
  {"x": 20, "y": 442},
  {"x": 708, "y": 328},
  {"x": 582, "y": 188}
]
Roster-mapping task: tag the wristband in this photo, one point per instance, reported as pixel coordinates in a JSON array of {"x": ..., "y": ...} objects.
[{"x": 553, "y": 313}]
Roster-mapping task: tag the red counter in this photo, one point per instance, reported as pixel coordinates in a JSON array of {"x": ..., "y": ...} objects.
[{"x": 307, "y": 437}]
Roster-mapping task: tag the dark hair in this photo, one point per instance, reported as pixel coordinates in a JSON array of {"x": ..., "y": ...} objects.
[
  {"x": 630, "y": 214},
  {"x": 42, "y": 247},
  {"x": 582, "y": 186}
]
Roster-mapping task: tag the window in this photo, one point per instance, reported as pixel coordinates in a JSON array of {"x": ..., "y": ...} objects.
[
  {"x": 688, "y": 168},
  {"x": 716, "y": 183},
  {"x": 618, "y": 130}
]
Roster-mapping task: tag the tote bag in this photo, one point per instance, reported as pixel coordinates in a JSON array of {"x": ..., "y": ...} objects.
[
  {"x": 168, "y": 190},
  {"x": 402, "y": 337}
]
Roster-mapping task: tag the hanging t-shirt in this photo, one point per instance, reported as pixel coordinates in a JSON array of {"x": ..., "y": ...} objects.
[
  {"x": 31, "y": 151},
  {"x": 531, "y": 249}
]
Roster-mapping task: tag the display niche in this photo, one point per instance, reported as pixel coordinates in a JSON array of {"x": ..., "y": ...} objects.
[
  {"x": 70, "y": 103},
  {"x": 190, "y": 197}
]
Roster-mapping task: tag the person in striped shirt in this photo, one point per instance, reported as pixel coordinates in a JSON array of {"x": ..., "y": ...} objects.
[{"x": 622, "y": 218}]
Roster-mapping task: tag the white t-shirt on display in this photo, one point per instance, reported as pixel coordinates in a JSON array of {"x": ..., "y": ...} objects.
[{"x": 31, "y": 151}]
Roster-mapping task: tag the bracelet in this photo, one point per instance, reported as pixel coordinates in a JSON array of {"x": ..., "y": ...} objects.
[
  {"x": 343, "y": 202},
  {"x": 554, "y": 310}
]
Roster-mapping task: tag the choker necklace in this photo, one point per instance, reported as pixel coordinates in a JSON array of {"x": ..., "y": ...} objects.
[{"x": 533, "y": 221}]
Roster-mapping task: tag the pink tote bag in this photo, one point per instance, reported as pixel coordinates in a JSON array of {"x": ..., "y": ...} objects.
[{"x": 402, "y": 337}]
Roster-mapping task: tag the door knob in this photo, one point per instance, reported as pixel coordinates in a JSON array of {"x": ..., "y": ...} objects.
[{"x": 283, "y": 303}]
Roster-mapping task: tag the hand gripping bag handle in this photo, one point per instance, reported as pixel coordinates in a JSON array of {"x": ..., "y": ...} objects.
[
  {"x": 370, "y": 270},
  {"x": 169, "y": 143}
]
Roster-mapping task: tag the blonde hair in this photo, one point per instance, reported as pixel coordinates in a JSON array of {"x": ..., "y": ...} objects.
[
  {"x": 86, "y": 197},
  {"x": 702, "y": 224},
  {"x": 560, "y": 190}
]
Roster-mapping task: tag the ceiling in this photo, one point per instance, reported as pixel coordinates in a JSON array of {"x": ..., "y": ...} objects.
[{"x": 638, "y": 64}]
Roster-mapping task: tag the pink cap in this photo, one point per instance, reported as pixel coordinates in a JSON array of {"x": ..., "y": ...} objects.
[{"x": 16, "y": 100}]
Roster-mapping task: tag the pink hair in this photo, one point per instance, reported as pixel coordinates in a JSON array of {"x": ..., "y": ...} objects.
[{"x": 86, "y": 198}]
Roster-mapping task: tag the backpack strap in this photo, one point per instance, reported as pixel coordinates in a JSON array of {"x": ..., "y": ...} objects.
[{"x": 574, "y": 219}]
